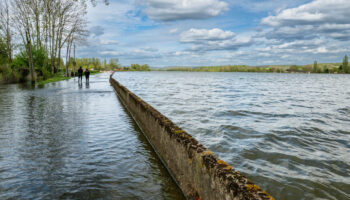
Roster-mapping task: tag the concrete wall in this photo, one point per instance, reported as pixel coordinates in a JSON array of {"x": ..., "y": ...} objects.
[{"x": 199, "y": 173}]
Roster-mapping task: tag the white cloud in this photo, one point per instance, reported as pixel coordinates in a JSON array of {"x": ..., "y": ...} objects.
[
  {"x": 110, "y": 53},
  {"x": 198, "y": 35},
  {"x": 174, "y": 30},
  {"x": 109, "y": 42},
  {"x": 319, "y": 30},
  {"x": 318, "y": 11},
  {"x": 315, "y": 19},
  {"x": 142, "y": 53},
  {"x": 265, "y": 5},
  {"x": 171, "y": 10},
  {"x": 213, "y": 39}
]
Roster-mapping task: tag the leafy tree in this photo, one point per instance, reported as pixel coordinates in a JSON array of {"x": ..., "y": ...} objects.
[
  {"x": 3, "y": 52},
  {"x": 307, "y": 69},
  {"x": 315, "y": 68},
  {"x": 113, "y": 63},
  {"x": 137, "y": 67},
  {"x": 346, "y": 64},
  {"x": 21, "y": 60},
  {"x": 293, "y": 68}
]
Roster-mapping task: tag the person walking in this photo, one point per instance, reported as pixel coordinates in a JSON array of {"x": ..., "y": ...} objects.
[
  {"x": 80, "y": 74},
  {"x": 87, "y": 75}
]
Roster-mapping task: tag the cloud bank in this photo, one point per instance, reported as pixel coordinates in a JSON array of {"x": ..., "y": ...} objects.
[
  {"x": 216, "y": 32},
  {"x": 172, "y": 10}
]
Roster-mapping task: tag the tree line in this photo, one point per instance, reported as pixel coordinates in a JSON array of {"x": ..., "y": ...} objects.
[
  {"x": 34, "y": 34},
  {"x": 315, "y": 68},
  {"x": 105, "y": 65}
]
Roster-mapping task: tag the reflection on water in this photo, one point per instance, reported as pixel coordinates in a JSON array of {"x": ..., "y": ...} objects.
[
  {"x": 75, "y": 141},
  {"x": 289, "y": 133}
]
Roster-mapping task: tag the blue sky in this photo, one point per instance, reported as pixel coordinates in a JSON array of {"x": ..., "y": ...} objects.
[{"x": 218, "y": 32}]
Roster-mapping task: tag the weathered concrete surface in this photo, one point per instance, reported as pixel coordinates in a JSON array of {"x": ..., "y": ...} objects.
[{"x": 199, "y": 173}]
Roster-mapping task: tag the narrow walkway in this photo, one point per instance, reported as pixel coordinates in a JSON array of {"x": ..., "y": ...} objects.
[{"x": 66, "y": 141}]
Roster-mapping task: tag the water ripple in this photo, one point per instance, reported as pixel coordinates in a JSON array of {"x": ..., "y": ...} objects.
[
  {"x": 61, "y": 141},
  {"x": 289, "y": 133}
]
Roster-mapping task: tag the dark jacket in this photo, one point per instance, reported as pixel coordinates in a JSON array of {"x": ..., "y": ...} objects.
[
  {"x": 87, "y": 73},
  {"x": 80, "y": 72}
]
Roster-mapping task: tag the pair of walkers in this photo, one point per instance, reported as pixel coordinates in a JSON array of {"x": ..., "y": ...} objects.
[{"x": 80, "y": 74}]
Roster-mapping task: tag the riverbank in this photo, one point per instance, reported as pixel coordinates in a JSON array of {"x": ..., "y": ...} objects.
[{"x": 332, "y": 68}]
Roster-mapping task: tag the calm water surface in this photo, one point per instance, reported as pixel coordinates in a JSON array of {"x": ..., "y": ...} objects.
[
  {"x": 289, "y": 133},
  {"x": 66, "y": 141}
]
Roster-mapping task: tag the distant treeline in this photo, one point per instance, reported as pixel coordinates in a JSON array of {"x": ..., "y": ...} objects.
[
  {"x": 136, "y": 67},
  {"x": 111, "y": 64},
  {"x": 311, "y": 68}
]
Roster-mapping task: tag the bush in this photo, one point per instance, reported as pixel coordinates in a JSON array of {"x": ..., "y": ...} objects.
[
  {"x": 3, "y": 52},
  {"x": 45, "y": 73},
  {"x": 3, "y": 69},
  {"x": 9, "y": 75},
  {"x": 39, "y": 57}
]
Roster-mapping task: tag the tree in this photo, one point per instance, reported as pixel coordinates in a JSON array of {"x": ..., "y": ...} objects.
[
  {"x": 113, "y": 63},
  {"x": 315, "y": 68},
  {"x": 5, "y": 27},
  {"x": 3, "y": 52},
  {"x": 346, "y": 64},
  {"x": 23, "y": 21},
  {"x": 45, "y": 27}
]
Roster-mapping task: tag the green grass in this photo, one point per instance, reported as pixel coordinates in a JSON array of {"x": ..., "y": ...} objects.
[
  {"x": 53, "y": 79},
  {"x": 94, "y": 72}
]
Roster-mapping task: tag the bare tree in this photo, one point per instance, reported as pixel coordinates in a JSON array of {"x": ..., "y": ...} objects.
[
  {"x": 45, "y": 24},
  {"x": 5, "y": 26},
  {"x": 22, "y": 16}
]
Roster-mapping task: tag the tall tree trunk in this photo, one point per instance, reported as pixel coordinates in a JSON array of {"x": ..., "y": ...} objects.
[
  {"x": 37, "y": 26},
  {"x": 59, "y": 57},
  {"x": 74, "y": 62},
  {"x": 53, "y": 58},
  {"x": 30, "y": 55},
  {"x": 9, "y": 42}
]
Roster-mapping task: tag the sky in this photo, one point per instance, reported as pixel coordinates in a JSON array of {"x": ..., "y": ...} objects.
[{"x": 218, "y": 32}]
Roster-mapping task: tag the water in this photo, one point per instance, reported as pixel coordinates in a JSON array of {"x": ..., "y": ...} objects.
[
  {"x": 289, "y": 133},
  {"x": 66, "y": 141}
]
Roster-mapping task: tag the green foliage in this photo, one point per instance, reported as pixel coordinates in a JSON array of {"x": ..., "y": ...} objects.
[
  {"x": 315, "y": 68},
  {"x": 45, "y": 73},
  {"x": 295, "y": 68},
  {"x": 40, "y": 61},
  {"x": 8, "y": 75},
  {"x": 113, "y": 64},
  {"x": 228, "y": 68},
  {"x": 95, "y": 63},
  {"x": 3, "y": 52},
  {"x": 346, "y": 64},
  {"x": 92, "y": 63},
  {"x": 137, "y": 67},
  {"x": 321, "y": 68}
]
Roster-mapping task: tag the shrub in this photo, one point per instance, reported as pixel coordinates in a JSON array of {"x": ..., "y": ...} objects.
[{"x": 45, "y": 73}]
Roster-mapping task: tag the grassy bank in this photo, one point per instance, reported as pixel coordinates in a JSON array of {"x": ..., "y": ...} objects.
[
  {"x": 53, "y": 79},
  {"x": 62, "y": 78}
]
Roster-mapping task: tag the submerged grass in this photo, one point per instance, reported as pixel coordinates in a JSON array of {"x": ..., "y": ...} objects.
[{"x": 53, "y": 79}]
